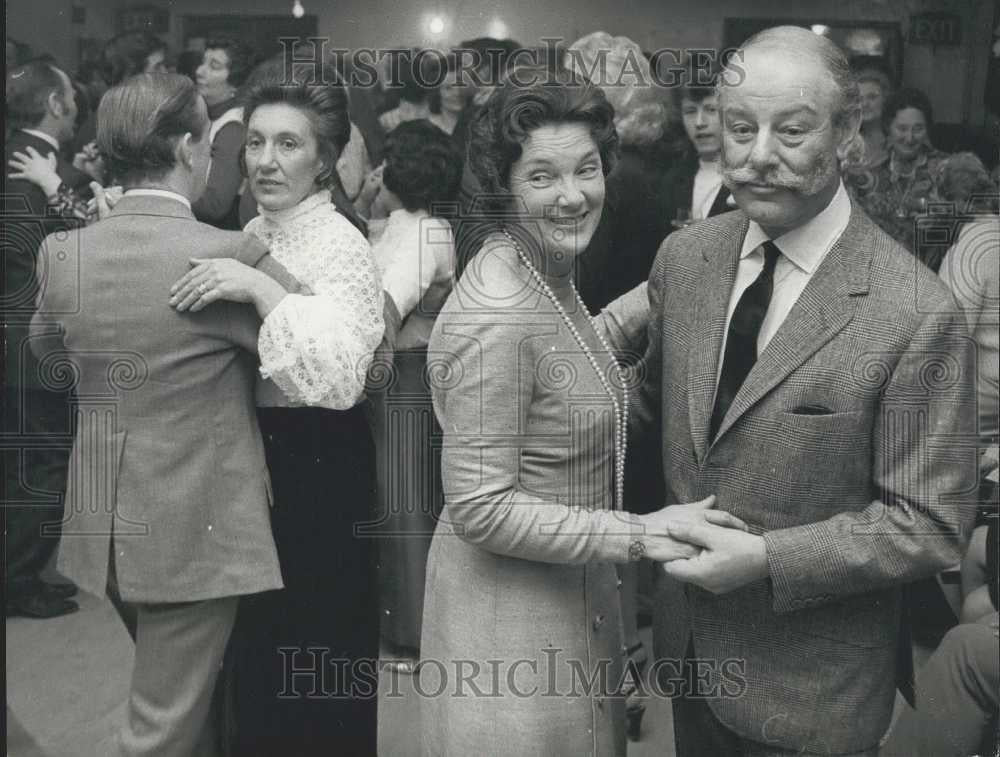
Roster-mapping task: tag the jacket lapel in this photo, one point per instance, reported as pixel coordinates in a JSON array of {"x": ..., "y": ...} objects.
[
  {"x": 823, "y": 309},
  {"x": 712, "y": 297}
]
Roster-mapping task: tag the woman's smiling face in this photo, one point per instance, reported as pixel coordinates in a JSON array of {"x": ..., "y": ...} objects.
[{"x": 560, "y": 182}]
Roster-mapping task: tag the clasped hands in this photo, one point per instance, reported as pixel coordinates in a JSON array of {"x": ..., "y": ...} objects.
[{"x": 703, "y": 546}]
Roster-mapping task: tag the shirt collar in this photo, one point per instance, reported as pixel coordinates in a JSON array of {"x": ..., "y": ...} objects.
[
  {"x": 808, "y": 244},
  {"x": 43, "y": 136},
  {"x": 311, "y": 202},
  {"x": 159, "y": 193}
]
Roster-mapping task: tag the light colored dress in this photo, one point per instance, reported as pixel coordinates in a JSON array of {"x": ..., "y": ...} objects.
[{"x": 521, "y": 568}]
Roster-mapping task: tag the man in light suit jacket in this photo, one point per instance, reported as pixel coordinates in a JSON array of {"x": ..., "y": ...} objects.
[
  {"x": 818, "y": 381},
  {"x": 168, "y": 492}
]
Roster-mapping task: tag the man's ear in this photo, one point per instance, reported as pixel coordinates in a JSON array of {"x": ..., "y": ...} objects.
[
  {"x": 55, "y": 105},
  {"x": 849, "y": 136},
  {"x": 184, "y": 151}
]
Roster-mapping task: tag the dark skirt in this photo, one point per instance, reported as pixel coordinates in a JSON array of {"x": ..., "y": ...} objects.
[
  {"x": 409, "y": 498},
  {"x": 304, "y": 660}
]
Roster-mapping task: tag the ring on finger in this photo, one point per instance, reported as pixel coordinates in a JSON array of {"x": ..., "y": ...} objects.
[{"x": 203, "y": 287}]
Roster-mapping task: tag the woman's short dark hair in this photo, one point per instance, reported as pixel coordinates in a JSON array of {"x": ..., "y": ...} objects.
[
  {"x": 422, "y": 165},
  {"x": 126, "y": 55},
  {"x": 140, "y": 120},
  {"x": 527, "y": 98},
  {"x": 903, "y": 99},
  {"x": 323, "y": 103},
  {"x": 241, "y": 58}
]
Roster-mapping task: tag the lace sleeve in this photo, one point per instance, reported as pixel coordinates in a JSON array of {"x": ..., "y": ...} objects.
[{"x": 317, "y": 348}]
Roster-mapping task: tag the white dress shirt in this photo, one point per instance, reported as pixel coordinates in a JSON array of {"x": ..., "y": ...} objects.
[
  {"x": 802, "y": 250},
  {"x": 707, "y": 183}
]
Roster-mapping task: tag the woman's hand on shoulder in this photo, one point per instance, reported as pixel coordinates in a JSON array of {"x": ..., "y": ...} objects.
[{"x": 211, "y": 280}]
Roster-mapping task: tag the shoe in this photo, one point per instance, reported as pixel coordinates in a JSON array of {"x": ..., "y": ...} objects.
[
  {"x": 62, "y": 589},
  {"x": 40, "y": 606}
]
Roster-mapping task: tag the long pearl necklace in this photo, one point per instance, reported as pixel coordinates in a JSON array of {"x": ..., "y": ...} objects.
[{"x": 620, "y": 409}]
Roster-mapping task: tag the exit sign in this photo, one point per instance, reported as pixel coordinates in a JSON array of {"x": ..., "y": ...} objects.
[{"x": 938, "y": 29}]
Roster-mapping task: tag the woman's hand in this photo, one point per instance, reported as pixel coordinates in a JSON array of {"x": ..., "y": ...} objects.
[
  {"x": 370, "y": 189},
  {"x": 37, "y": 168},
  {"x": 660, "y": 546},
  {"x": 217, "y": 279},
  {"x": 90, "y": 161},
  {"x": 104, "y": 200}
]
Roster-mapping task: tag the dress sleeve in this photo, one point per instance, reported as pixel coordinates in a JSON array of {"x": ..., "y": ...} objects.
[
  {"x": 317, "y": 348},
  {"x": 481, "y": 387}
]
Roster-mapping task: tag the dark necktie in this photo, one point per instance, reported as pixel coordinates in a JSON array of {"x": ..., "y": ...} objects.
[{"x": 741, "y": 339}]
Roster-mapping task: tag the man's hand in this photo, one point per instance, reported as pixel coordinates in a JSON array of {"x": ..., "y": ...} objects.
[{"x": 730, "y": 558}]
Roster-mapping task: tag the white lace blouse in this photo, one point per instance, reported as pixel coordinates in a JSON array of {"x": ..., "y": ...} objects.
[{"x": 315, "y": 348}]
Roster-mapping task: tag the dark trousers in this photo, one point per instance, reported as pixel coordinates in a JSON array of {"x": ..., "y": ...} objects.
[{"x": 37, "y": 429}]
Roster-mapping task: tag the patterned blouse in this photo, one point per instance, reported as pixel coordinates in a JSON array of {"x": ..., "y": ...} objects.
[
  {"x": 316, "y": 348},
  {"x": 894, "y": 200}
]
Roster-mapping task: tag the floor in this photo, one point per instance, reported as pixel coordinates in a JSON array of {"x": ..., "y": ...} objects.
[{"x": 67, "y": 679}]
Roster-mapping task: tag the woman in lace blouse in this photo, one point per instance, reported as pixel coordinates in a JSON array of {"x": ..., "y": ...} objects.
[{"x": 315, "y": 349}]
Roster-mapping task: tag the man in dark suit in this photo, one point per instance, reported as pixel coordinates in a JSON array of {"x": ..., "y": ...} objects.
[
  {"x": 817, "y": 380},
  {"x": 168, "y": 492},
  {"x": 41, "y": 113}
]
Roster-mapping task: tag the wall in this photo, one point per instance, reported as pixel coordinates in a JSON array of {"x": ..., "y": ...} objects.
[{"x": 954, "y": 77}]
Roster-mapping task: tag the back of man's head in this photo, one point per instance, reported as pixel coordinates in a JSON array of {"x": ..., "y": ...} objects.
[
  {"x": 28, "y": 89},
  {"x": 140, "y": 120}
]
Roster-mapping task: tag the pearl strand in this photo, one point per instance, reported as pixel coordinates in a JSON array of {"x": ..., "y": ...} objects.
[{"x": 620, "y": 410}]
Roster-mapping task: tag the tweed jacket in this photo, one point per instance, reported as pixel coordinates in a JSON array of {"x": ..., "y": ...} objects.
[
  {"x": 167, "y": 457},
  {"x": 849, "y": 447}
]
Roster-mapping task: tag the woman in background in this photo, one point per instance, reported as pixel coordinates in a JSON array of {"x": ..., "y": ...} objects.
[
  {"x": 415, "y": 255},
  {"x": 875, "y": 88},
  {"x": 452, "y": 98},
  {"x": 895, "y": 191},
  {"x": 314, "y": 351},
  {"x": 225, "y": 65}
]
